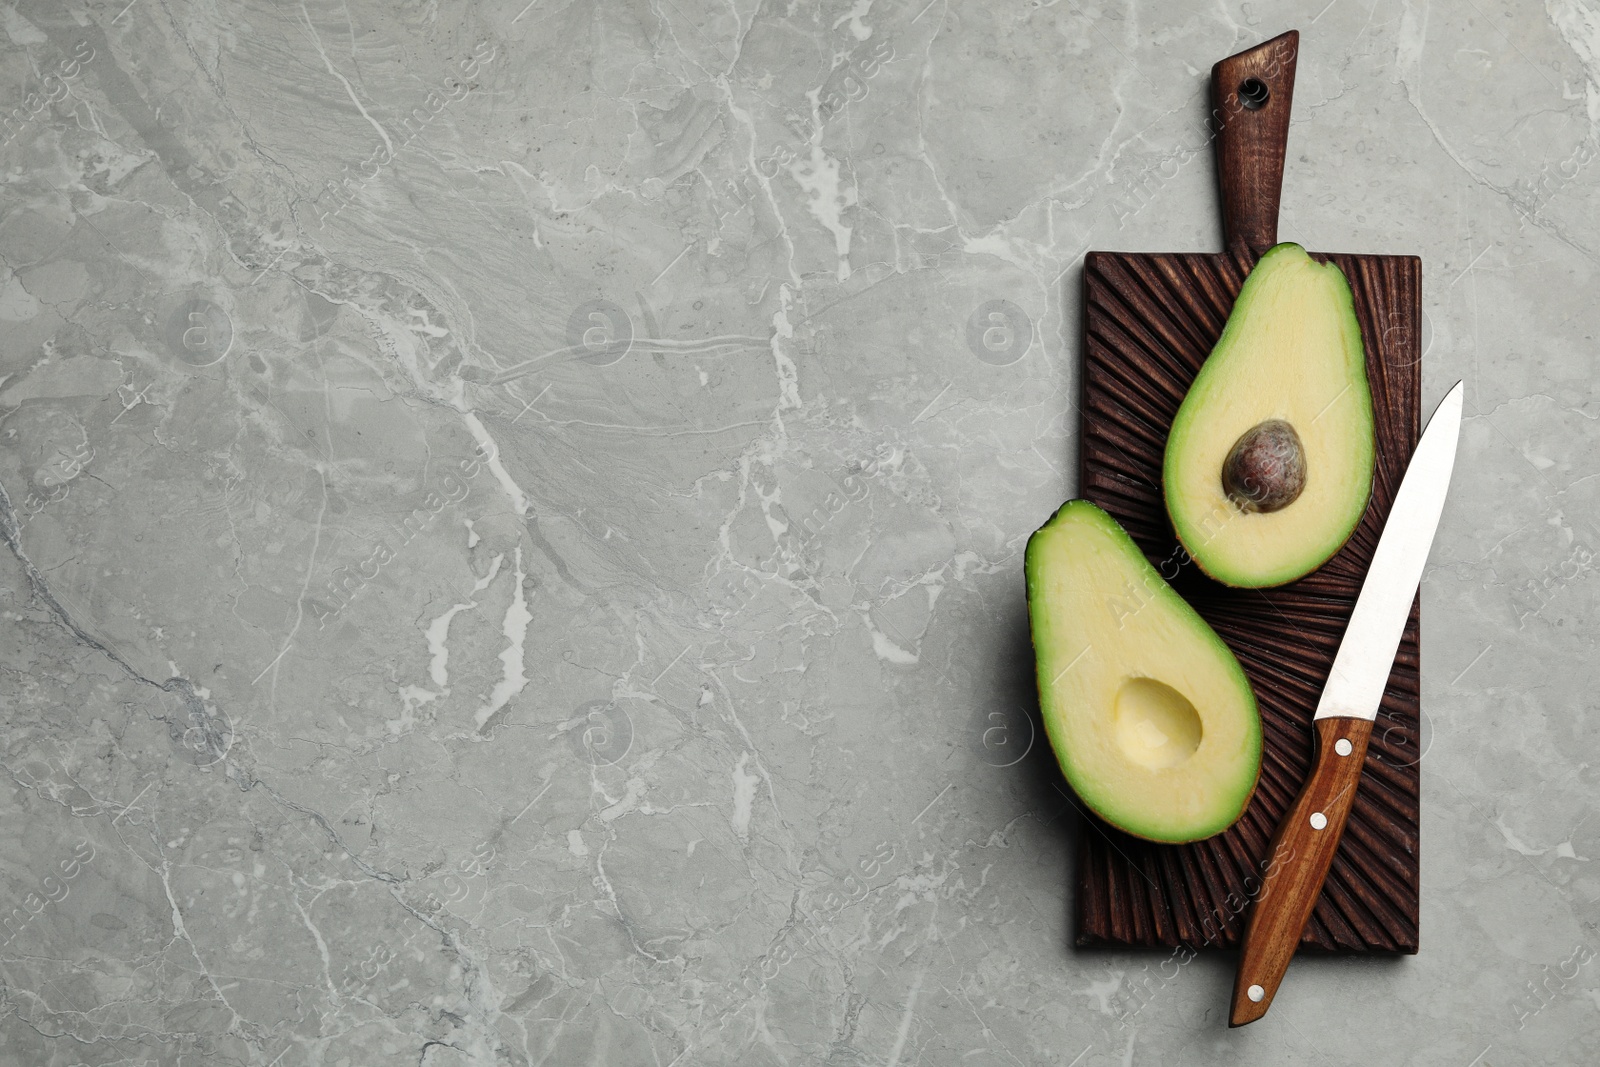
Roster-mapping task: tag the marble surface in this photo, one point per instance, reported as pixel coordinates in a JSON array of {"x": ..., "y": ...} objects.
[{"x": 513, "y": 519}]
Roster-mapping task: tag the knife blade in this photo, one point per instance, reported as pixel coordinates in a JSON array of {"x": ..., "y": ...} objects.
[{"x": 1307, "y": 839}]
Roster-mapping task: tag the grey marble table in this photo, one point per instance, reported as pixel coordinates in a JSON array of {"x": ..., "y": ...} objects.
[{"x": 513, "y": 520}]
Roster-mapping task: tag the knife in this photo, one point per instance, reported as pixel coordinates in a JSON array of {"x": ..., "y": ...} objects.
[{"x": 1304, "y": 846}]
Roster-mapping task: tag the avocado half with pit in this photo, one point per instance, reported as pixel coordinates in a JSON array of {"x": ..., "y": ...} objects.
[
  {"x": 1268, "y": 465},
  {"x": 1150, "y": 715}
]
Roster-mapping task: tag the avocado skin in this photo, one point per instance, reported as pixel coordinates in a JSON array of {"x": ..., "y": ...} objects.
[
  {"x": 1190, "y": 418},
  {"x": 1150, "y": 580}
]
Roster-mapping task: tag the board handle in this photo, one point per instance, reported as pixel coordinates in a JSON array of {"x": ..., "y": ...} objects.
[
  {"x": 1250, "y": 98},
  {"x": 1302, "y": 851}
]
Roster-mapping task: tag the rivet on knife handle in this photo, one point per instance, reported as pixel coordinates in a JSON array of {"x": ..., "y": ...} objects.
[
  {"x": 1302, "y": 850},
  {"x": 1250, "y": 97},
  {"x": 1306, "y": 841}
]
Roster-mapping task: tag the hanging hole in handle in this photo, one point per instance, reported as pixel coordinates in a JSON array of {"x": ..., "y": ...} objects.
[{"x": 1253, "y": 93}]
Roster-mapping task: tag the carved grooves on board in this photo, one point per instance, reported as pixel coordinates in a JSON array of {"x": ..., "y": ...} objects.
[{"x": 1150, "y": 322}]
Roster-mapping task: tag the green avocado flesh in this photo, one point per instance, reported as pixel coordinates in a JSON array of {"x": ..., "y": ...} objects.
[
  {"x": 1149, "y": 713},
  {"x": 1289, "y": 356}
]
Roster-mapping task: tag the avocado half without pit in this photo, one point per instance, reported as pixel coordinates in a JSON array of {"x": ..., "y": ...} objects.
[
  {"x": 1148, "y": 712},
  {"x": 1268, "y": 465}
]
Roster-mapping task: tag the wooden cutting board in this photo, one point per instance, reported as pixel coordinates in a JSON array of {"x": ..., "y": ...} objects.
[{"x": 1150, "y": 321}]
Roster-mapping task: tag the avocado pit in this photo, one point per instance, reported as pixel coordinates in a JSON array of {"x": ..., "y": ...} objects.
[
  {"x": 1266, "y": 468},
  {"x": 1156, "y": 726}
]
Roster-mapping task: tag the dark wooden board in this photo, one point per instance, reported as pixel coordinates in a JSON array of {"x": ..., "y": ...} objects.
[{"x": 1150, "y": 321}]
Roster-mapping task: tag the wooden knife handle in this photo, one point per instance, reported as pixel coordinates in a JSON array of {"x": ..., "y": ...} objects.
[
  {"x": 1250, "y": 97},
  {"x": 1302, "y": 851}
]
